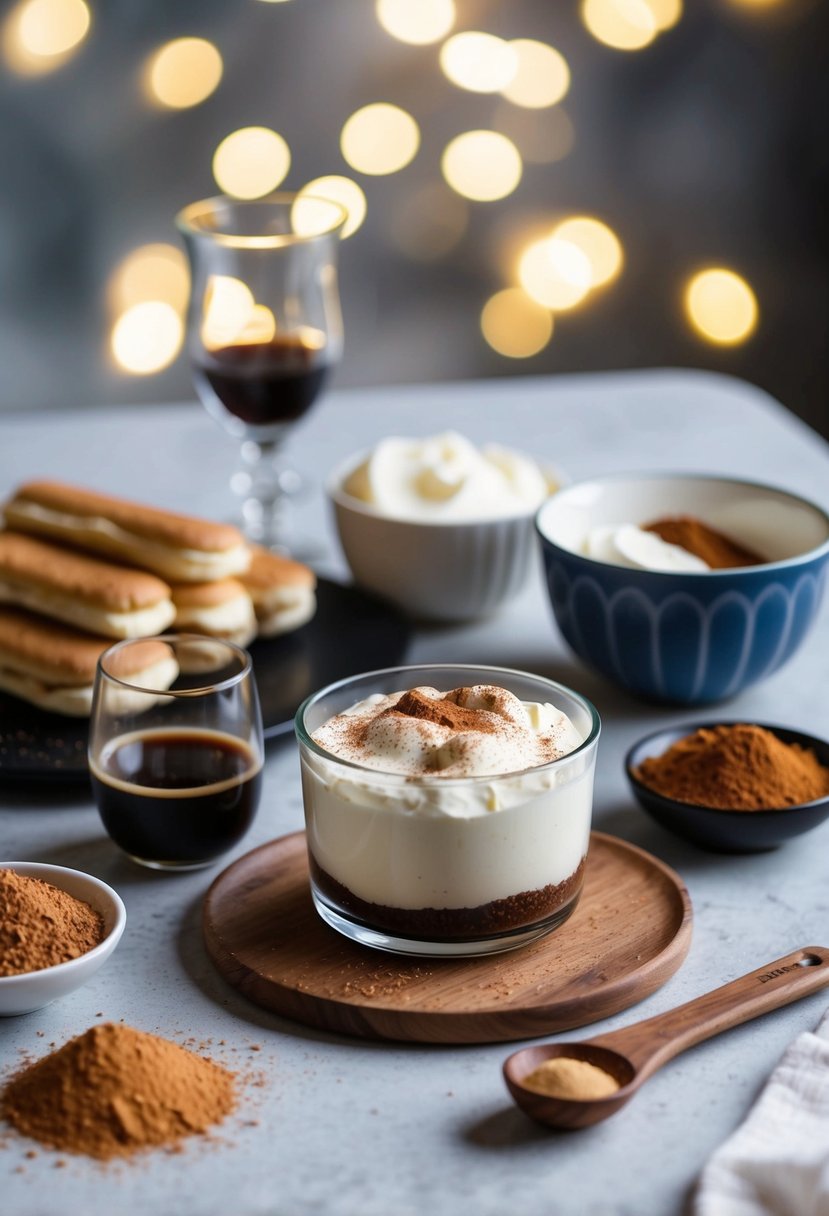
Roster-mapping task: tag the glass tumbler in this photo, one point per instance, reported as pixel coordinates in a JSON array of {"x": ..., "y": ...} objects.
[
  {"x": 427, "y": 865},
  {"x": 175, "y": 748}
]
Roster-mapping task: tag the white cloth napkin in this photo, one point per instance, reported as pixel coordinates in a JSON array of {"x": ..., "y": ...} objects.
[{"x": 777, "y": 1162}]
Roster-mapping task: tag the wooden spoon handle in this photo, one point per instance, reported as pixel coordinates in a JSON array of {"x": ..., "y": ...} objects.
[{"x": 650, "y": 1044}]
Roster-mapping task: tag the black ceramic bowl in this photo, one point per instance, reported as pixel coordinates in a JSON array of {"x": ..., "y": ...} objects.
[{"x": 718, "y": 830}]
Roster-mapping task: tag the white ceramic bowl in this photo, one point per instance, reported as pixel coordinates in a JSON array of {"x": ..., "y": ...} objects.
[
  {"x": 453, "y": 571},
  {"x": 34, "y": 989}
]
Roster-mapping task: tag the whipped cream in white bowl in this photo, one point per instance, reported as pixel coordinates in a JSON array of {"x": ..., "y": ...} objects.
[
  {"x": 438, "y": 526},
  {"x": 447, "y": 808},
  {"x": 444, "y": 478}
]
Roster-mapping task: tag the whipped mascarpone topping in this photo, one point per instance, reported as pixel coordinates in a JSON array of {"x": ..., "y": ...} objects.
[
  {"x": 467, "y": 732},
  {"x": 445, "y": 477},
  {"x": 627, "y": 545}
]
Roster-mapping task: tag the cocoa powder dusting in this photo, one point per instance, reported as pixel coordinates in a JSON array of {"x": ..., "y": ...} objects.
[
  {"x": 444, "y": 711},
  {"x": 41, "y": 926},
  {"x": 713, "y": 547},
  {"x": 114, "y": 1091},
  {"x": 736, "y": 768}
]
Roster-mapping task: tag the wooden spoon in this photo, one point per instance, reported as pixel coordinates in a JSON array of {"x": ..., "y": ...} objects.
[{"x": 631, "y": 1055}]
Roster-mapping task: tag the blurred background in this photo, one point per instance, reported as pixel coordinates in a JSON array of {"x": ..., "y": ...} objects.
[{"x": 533, "y": 186}]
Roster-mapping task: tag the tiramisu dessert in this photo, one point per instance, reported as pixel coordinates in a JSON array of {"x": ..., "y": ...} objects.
[{"x": 455, "y": 816}]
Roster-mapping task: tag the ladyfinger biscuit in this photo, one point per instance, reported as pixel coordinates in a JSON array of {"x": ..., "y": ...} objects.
[
  {"x": 222, "y": 609},
  {"x": 53, "y": 665},
  {"x": 282, "y": 590},
  {"x": 179, "y": 547},
  {"x": 100, "y": 597}
]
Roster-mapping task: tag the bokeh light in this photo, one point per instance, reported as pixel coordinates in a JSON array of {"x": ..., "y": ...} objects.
[
  {"x": 340, "y": 190},
  {"x": 259, "y": 327},
  {"x": 417, "y": 23},
  {"x": 429, "y": 222},
  {"x": 478, "y": 62},
  {"x": 183, "y": 73},
  {"x": 555, "y": 273},
  {"x": 41, "y": 35},
  {"x": 625, "y": 25},
  {"x": 597, "y": 242},
  {"x": 251, "y": 162},
  {"x": 666, "y": 13},
  {"x": 482, "y": 165},
  {"x": 228, "y": 306},
  {"x": 721, "y": 306},
  {"x": 150, "y": 272},
  {"x": 542, "y": 76},
  {"x": 316, "y": 216},
  {"x": 146, "y": 338},
  {"x": 514, "y": 325},
  {"x": 380, "y": 138}
]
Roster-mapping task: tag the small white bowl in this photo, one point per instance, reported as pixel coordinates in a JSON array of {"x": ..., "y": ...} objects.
[
  {"x": 33, "y": 989},
  {"x": 451, "y": 571}
]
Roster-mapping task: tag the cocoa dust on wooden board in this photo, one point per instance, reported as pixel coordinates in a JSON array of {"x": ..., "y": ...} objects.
[{"x": 115, "y": 1092}]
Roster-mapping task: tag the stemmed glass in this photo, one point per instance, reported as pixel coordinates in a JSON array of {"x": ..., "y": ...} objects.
[{"x": 263, "y": 330}]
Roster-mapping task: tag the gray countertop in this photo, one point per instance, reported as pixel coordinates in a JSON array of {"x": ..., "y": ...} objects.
[{"x": 342, "y": 1126}]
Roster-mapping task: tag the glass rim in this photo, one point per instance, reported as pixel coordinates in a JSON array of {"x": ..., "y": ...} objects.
[
  {"x": 245, "y": 670},
  {"x": 432, "y": 778},
  {"x": 187, "y": 223}
]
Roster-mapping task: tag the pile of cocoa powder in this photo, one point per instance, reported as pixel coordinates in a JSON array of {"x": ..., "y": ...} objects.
[
  {"x": 113, "y": 1091},
  {"x": 736, "y": 767}
]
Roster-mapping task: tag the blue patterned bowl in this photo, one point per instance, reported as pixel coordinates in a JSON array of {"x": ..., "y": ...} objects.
[{"x": 685, "y": 638}]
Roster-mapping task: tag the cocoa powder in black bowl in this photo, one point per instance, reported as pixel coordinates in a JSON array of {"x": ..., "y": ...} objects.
[{"x": 739, "y": 754}]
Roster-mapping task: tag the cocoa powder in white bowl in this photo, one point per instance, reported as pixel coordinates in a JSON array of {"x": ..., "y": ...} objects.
[{"x": 31, "y": 989}]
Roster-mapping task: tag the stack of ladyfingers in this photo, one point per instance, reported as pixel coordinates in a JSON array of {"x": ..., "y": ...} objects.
[{"x": 80, "y": 569}]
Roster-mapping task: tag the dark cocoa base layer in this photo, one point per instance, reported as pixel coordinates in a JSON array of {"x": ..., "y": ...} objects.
[{"x": 517, "y": 912}]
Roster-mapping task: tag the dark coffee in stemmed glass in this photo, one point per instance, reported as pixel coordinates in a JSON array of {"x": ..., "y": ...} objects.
[
  {"x": 263, "y": 383},
  {"x": 263, "y": 331}
]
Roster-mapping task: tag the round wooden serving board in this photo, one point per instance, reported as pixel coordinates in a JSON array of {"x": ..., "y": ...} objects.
[{"x": 629, "y": 933}]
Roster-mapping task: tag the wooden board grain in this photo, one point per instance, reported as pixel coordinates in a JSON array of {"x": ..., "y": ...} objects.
[{"x": 628, "y": 935}]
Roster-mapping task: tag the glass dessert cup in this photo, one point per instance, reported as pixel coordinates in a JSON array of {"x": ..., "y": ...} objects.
[
  {"x": 176, "y": 754},
  {"x": 452, "y": 867},
  {"x": 263, "y": 331}
]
